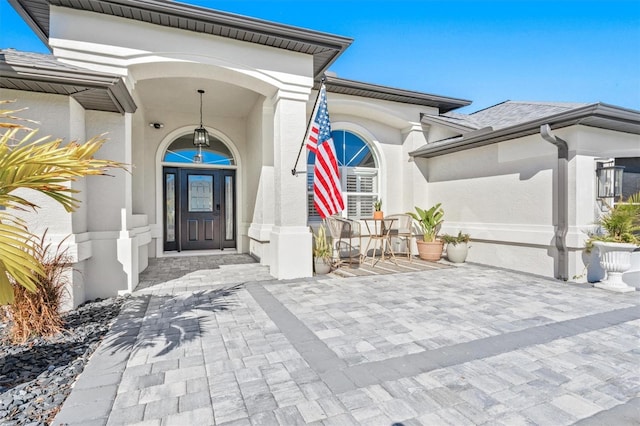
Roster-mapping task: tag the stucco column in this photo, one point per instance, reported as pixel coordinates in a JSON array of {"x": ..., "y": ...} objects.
[
  {"x": 413, "y": 137},
  {"x": 290, "y": 236}
]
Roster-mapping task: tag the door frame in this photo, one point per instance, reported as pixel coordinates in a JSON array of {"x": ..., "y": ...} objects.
[
  {"x": 180, "y": 188},
  {"x": 158, "y": 234}
]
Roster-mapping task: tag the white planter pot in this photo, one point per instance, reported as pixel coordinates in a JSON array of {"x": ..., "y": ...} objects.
[
  {"x": 615, "y": 258},
  {"x": 457, "y": 253},
  {"x": 322, "y": 266},
  {"x": 632, "y": 276}
]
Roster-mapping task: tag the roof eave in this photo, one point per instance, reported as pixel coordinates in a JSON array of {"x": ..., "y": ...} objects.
[
  {"x": 431, "y": 119},
  {"x": 324, "y": 47},
  {"x": 607, "y": 112},
  {"x": 113, "y": 85},
  {"x": 375, "y": 91},
  {"x": 40, "y": 32}
]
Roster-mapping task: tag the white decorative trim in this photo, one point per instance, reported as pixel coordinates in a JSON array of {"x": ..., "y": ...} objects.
[{"x": 158, "y": 228}]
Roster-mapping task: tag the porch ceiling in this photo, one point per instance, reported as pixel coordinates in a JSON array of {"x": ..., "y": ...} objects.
[
  {"x": 324, "y": 47},
  {"x": 176, "y": 95}
]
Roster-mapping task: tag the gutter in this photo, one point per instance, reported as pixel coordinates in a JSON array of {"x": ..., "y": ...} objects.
[{"x": 560, "y": 202}]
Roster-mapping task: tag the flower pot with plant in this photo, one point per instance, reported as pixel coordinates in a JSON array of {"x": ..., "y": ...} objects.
[
  {"x": 322, "y": 251},
  {"x": 377, "y": 209},
  {"x": 457, "y": 246},
  {"x": 430, "y": 222},
  {"x": 617, "y": 238}
]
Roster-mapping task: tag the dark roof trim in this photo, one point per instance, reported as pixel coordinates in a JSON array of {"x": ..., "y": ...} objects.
[
  {"x": 432, "y": 119},
  {"x": 94, "y": 91},
  {"x": 40, "y": 28},
  {"x": 594, "y": 115},
  {"x": 324, "y": 47},
  {"x": 374, "y": 91}
]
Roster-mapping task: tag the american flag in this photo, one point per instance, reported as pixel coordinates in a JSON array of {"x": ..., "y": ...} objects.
[{"x": 327, "y": 194}]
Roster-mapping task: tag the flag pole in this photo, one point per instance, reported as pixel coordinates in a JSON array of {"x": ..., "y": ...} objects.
[{"x": 294, "y": 172}]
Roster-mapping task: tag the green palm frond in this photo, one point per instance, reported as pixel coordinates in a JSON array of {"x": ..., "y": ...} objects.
[
  {"x": 46, "y": 166},
  {"x": 16, "y": 257}
]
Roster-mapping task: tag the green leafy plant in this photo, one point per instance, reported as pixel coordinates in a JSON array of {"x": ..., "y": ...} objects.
[
  {"x": 430, "y": 221},
  {"x": 377, "y": 205},
  {"x": 322, "y": 246},
  {"x": 455, "y": 239},
  {"x": 621, "y": 224},
  {"x": 43, "y": 165}
]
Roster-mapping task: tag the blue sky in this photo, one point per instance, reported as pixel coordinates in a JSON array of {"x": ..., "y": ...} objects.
[{"x": 484, "y": 51}]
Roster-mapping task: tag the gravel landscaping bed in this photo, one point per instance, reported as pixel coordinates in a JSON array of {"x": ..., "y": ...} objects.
[{"x": 36, "y": 377}]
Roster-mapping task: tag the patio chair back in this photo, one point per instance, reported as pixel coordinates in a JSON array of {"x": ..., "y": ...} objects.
[
  {"x": 346, "y": 238},
  {"x": 402, "y": 228}
]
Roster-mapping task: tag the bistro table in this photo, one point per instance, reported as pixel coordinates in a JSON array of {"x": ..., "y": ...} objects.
[{"x": 379, "y": 233}]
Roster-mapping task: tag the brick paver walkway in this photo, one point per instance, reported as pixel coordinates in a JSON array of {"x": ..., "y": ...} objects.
[{"x": 464, "y": 345}]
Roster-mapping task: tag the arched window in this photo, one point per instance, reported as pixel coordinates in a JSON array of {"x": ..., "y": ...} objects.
[
  {"x": 358, "y": 176},
  {"x": 182, "y": 150}
]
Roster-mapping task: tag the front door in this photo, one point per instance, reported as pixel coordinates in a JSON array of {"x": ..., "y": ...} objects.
[{"x": 199, "y": 209}]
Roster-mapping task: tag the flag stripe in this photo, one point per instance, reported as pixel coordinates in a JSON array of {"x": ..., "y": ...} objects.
[{"x": 327, "y": 192}]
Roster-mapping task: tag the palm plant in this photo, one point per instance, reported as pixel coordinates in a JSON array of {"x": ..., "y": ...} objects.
[
  {"x": 621, "y": 224},
  {"x": 43, "y": 165},
  {"x": 430, "y": 221}
]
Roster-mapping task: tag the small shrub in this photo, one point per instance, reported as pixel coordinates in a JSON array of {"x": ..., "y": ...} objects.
[
  {"x": 34, "y": 314},
  {"x": 455, "y": 240}
]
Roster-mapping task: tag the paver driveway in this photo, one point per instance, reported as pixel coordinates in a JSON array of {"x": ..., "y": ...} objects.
[{"x": 465, "y": 345}]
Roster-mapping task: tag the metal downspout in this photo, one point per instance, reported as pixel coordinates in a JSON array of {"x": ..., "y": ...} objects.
[{"x": 562, "y": 205}]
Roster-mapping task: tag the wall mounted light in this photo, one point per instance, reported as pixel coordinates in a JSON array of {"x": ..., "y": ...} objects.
[
  {"x": 609, "y": 179},
  {"x": 200, "y": 135}
]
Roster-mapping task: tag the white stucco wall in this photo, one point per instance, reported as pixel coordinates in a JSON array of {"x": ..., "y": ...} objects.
[
  {"x": 503, "y": 195},
  {"x": 392, "y": 130},
  {"x": 96, "y": 222}
]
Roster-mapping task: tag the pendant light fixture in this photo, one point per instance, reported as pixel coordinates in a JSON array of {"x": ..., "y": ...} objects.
[{"x": 200, "y": 135}]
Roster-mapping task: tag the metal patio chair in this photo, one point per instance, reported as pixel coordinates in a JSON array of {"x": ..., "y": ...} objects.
[
  {"x": 402, "y": 229},
  {"x": 346, "y": 239}
]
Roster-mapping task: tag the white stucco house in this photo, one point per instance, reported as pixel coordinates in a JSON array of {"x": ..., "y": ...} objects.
[{"x": 133, "y": 69}]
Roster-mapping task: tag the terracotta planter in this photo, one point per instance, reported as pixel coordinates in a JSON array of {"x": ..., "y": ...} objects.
[
  {"x": 378, "y": 214},
  {"x": 430, "y": 250}
]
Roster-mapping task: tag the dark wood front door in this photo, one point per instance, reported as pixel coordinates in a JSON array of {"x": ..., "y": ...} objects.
[{"x": 199, "y": 209}]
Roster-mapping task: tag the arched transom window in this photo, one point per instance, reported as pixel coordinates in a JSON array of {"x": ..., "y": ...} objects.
[
  {"x": 358, "y": 176},
  {"x": 182, "y": 150}
]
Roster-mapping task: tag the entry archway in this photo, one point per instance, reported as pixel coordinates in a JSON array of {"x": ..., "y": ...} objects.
[{"x": 198, "y": 194}]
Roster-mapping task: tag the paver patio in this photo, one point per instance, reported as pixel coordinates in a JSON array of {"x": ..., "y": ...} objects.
[{"x": 463, "y": 345}]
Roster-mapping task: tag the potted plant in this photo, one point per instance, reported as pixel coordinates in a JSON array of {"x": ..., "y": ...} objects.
[
  {"x": 322, "y": 251},
  {"x": 616, "y": 240},
  {"x": 430, "y": 222},
  {"x": 457, "y": 246},
  {"x": 377, "y": 207}
]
